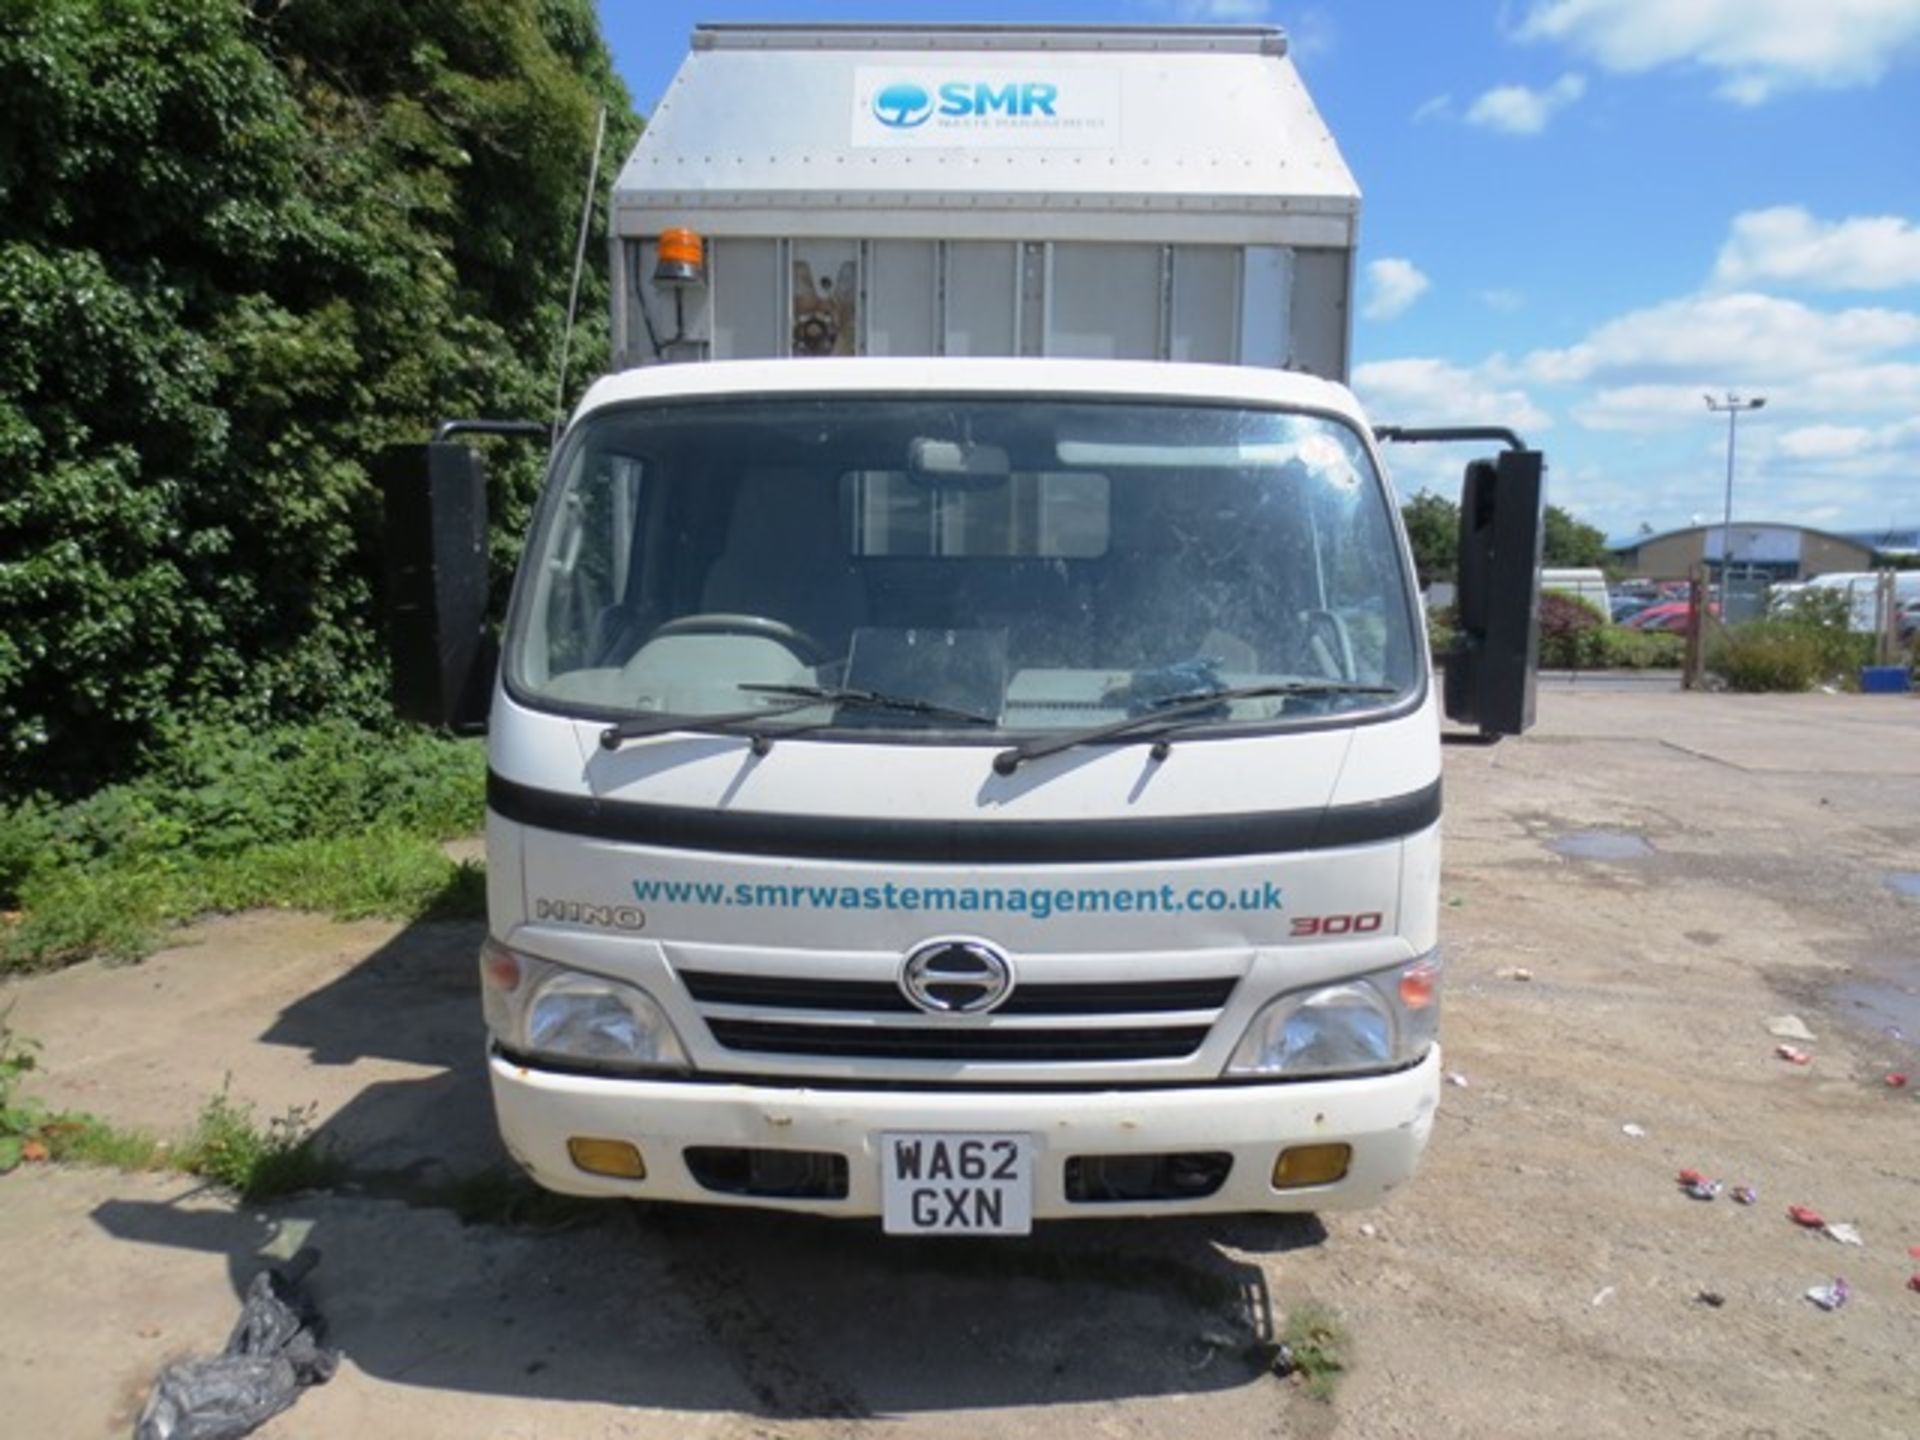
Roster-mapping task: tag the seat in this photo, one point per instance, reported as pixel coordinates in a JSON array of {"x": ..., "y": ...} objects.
[{"x": 788, "y": 557}]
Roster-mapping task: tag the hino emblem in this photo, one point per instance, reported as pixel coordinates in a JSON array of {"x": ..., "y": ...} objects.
[
  {"x": 577, "y": 912},
  {"x": 956, "y": 977}
]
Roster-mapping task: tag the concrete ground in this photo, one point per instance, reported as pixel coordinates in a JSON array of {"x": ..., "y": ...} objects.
[{"x": 1541, "y": 1274}]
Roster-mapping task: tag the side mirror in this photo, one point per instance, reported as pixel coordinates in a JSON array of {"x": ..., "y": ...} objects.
[
  {"x": 436, "y": 552},
  {"x": 1490, "y": 675}
]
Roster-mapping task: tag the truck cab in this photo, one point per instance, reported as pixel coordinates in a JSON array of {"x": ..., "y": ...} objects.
[{"x": 969, "y": 789}]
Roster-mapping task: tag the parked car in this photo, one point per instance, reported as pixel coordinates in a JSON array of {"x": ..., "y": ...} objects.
[
  {"x": 1625, "y": 607},
  {"x": 1669, "y": 616}
]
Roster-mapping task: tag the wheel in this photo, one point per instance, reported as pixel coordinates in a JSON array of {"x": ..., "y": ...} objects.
[{"x": 809, "y": 650}]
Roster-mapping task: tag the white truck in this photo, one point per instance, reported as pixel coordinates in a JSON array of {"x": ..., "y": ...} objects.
[{"x": 963, "y": 747}]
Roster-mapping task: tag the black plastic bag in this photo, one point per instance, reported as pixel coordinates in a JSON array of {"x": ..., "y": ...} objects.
[{"x": 274, "y": 1353}]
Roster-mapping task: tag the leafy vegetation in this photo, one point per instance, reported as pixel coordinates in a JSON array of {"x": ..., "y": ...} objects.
[
  {"x": 242, "y": 247},
  {"x": 1319, "y": 1345},
  {"x": 227, "y": 1145},
  {"x": 20, "y": 1118},
  {"x": 1624, "y": 649},
  {"x": 322, "y": 817},
  {"x": 1578, "y": 644},
  {"x": 1433, "y": 530},
  {"x": 1571, "y": 631},
  {"x": 258, "y": 1163},
  {"x": 1572, "y": 544},
  {"x": 1808, "y": 643}
]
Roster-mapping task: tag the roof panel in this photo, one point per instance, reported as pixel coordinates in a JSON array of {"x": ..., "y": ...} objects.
[{"x": 1130, "y": 119}]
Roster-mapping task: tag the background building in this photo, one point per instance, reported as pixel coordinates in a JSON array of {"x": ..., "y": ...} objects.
[
  {"x": 1897, "y": 543},
  {"x": 1775, "y": 552}
]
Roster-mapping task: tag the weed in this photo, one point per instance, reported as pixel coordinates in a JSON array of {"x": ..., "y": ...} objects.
[
  {"x": 20, "y": 1118},
  {"x": 83, "y": 1140},
  {"x": 227, "y": 1146},
  {"x": 30, "y": 1131},
  {"x": 230, "y": 1148},
  {"x": 1319, "y": 1344},
  {"x": 325, "y": 817},
  {"x": 1808, "y": 643}
]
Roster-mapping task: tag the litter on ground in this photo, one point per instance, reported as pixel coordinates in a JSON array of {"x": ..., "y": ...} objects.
[
  {"x": 274, "y": 1352},
  {"x": 1831, "y": 1297}
]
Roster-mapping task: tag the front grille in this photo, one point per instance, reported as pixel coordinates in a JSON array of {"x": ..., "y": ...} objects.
[
  {"x": 1165, "y": 1042},
  {"x": 883, "y": 997}
]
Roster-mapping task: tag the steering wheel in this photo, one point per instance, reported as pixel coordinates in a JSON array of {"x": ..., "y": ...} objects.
[
  {"x": 809, "y": 650},
  {"x": 1330, "y": 645}
]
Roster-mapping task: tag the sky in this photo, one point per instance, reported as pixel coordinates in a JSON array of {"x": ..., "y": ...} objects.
[{"x": 1580, "y": 217}]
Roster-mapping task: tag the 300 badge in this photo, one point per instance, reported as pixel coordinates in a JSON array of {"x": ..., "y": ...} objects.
[{"x": 1306, "y": 927}]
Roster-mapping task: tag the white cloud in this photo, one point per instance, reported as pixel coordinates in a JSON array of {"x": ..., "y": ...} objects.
[
  {"x": 1887, "y": 389},
  {"x": 1718, "y": 340},
  {"x": 1437, "y": 392},
  {"x": 1516, "y": 110},
  {"x": 1644, "y": 408},
  {"x": 1824, "y": 444},
  {"x": 1392, "y": 286},
  {"x": 1758, "y": 48},
  {"x": 1787, "y": 245},
  {"x": 1438, "y": 108},
  {"x": 1505, "y": 301}
]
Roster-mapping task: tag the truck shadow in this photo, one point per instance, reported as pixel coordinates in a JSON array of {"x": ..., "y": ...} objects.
[
  {"x": 441, "y": 1270},
  {"x": 781, "y": 1317}
]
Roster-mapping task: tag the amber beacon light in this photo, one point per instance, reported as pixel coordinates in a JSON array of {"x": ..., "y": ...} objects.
[{"x": 682, "y": 259}]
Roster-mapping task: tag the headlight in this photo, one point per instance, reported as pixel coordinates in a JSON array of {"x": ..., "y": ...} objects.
[
  {"x": 1375, "y": 1022},
  {"x": 540, "y": 1008}
]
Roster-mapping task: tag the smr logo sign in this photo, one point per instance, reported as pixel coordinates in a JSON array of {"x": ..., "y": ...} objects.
[
  {"x": 931, "y": 108},
  {"x": 579, "y": 912},
  {"x": 905, "y": 104}
]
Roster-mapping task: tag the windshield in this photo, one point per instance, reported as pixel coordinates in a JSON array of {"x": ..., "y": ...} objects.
[{"x": 1008, "y": 565}]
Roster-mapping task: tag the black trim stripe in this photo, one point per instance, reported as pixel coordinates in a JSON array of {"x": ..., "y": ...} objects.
[{"x": 983, "y": 842}]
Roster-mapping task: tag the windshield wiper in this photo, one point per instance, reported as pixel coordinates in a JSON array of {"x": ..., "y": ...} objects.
[
  {"x": 870, "y": 700},
  {"x": 638, "y": 727},
  {"x": 1171, "y": 711},
  {"x": 798, "y": 697}
]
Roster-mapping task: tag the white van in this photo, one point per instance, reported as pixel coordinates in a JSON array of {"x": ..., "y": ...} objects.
[{"x": 1587, "y": 585}]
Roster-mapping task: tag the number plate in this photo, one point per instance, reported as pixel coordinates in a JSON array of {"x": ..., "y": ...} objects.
[{"x": 956, "y": 1184}]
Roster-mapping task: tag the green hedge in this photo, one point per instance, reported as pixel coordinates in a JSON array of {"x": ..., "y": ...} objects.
[
  {"x": 326, "y": 817},
  {"x": 1575, "y": 644},
  {"x": 242, "y": 247}
]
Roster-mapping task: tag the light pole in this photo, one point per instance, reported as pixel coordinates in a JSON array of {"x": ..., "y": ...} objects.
[{"x": 1733, "y": 405}]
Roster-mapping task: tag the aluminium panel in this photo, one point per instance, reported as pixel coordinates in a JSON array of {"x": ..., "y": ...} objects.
[{"x": 1124, "y": 130}]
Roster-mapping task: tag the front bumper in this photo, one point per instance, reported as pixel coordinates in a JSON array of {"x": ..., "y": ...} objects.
[{"x": 1385, "y": 1118}]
